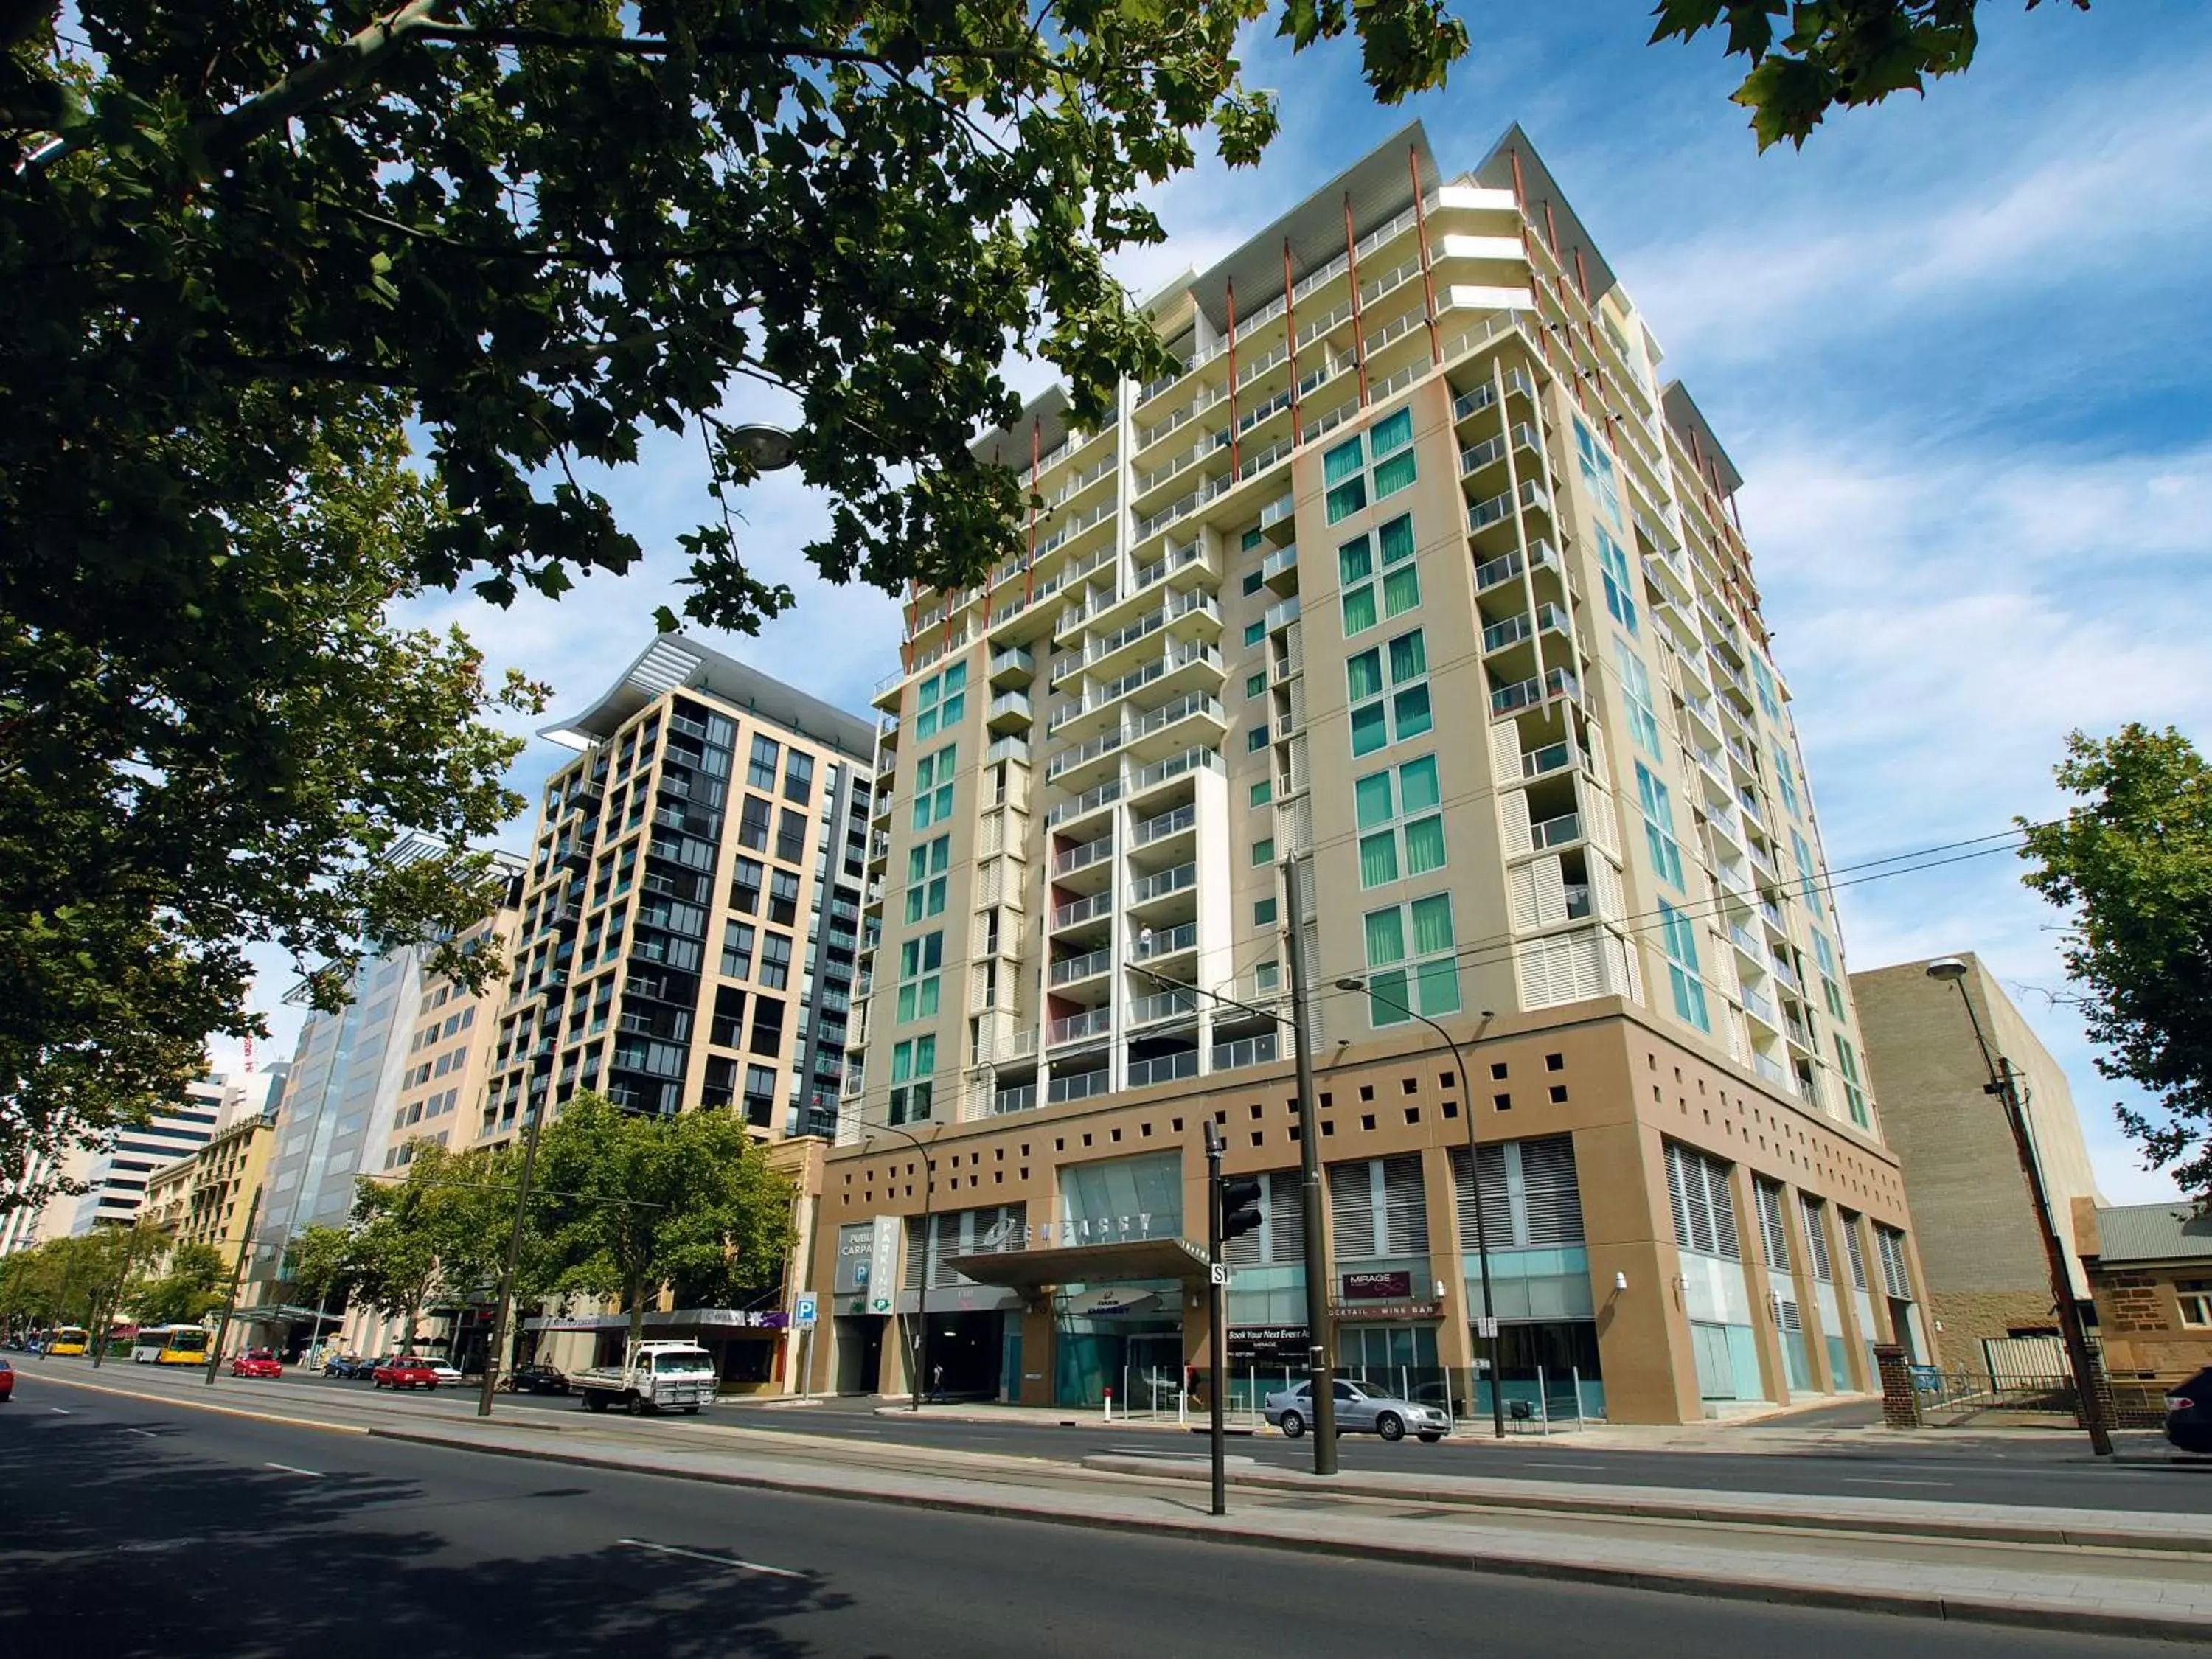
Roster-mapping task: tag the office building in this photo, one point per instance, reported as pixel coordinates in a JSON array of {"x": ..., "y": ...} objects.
[
  {"x": 1989, "y": 1277},
  {"x": 1405, "y": 624}
]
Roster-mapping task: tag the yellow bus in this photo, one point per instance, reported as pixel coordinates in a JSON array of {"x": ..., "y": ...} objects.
[
  {"x": 68, "y": 1338},
  {"x": 170, "y": 1345}
]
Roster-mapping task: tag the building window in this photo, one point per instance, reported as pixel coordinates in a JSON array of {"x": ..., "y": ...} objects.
[
  {"x": 919, "y": 961},
  {"x": 1411, "y": 965},
  {"x": 1391, "y": 445},
  {"x": 1762, "y": 676},
  {"x": 940, "y": 702},
  {"x": 1255, "y": 631},
  {"x": 1355, "y": 567},
  {"x": 1401, "y": 579},
  {"x": 926, "y": 878},
  {"x": 1805, "y": 884},
  {"x": 1256, "y": 738},
  {"x": 1636, "y": 690},
  {"x": 1680, "y": 936},
  {"x": 752, "y": 824},
  {"x": 1597, "y": 472},
  {"x": 1344, "y": 474},
  {"x": 1263, "y": 851},
  {"x": 1255, "y": 684},
  {"x": 912, "y": 1063},
  {"x": 1263, "y": 913},
  {"x": 1268, "y": 976},
  {"x": 1344, "y": 468},
  {"x": 2195, "y": 1308},
  {"x": 1391, "y": 709},
  {"x": 1847, "y": 1062},
  {"x": 760, "y": 1096},
  {"x": 1261, "y": 793},
  {"x": 760, "y": 770},
  {"x": 1785, "y": 778},
  {"x": 932, "y": 787},
  {"x": 1401, "y": 829},
  {"x": 1252, "y": 581},
  {"x": 1659, "y": 827},
  {"x": 791, "y": 836},
  {"x": 737, "y": 938},
  {"x": 783, "y": 898},
  {"x": 1613, "y": 564},
  {"x": 774, "y": 961}
]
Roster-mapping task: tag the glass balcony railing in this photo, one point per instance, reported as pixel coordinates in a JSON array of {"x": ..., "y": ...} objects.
[
  {"x": 1166, "y": 824},
  {"x": 1162, "y": 1005},
  {"x": 1166, "y": 881},
  {"x": 1556, "y": 832},
  {"x": 1162, "y": 1068},
  {"x": 1083, "y": 857},
  {"x": 1095, "y": 1021},
  {"x": 1245, "y": 1051},
  {"x": 1090, "y": 962},
  {"x": 1021, "y": 1098},
  {"x": 1083, "y": 910},
  {"x": 1078, "y": 1085},
  {"x": 1166, "y": 942}
]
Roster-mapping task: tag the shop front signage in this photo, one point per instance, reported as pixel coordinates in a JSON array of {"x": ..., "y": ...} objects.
[
  {"x": 1374, "y": 1310},
  {"x": 1268, "y": 1345},
  {"x": 1394, "y": 1285}
]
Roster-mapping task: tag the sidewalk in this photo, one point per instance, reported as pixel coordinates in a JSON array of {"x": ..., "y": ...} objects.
[{"x": 1414, "y": 1519}]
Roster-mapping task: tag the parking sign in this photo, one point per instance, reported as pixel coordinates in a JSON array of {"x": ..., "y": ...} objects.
[{"x": 803, "y": 1311}]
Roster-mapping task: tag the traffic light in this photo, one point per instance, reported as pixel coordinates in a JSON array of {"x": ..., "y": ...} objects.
[{"x": 1240, "y": 1206}]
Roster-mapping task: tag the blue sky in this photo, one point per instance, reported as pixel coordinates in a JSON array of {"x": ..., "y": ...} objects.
[{"x": 1957, "y": 347}]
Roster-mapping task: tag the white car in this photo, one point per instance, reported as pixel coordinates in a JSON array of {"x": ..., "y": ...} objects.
[{"x": 444, "y": 1372}]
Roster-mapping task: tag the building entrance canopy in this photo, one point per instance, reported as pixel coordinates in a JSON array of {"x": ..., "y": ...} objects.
[{"x": 1085, "y": 1264}]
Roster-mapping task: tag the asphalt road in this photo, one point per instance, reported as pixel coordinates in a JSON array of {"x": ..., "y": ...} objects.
[
  {"x": 2149, "y": 1478},
  {"x": 152, "y": 1529}
]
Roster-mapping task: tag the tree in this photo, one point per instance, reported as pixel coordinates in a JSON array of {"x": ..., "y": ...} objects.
[
  {"x": 189, "y": 1286},
  {"x": 2132, "y": 866},
  {"x": 431, "y": 1236},
  {"x": 632, "y": 1204},
  {"x": 247, "y": 244},
  {"x": 55, "y": 1283},
  {"x": 1830, "y": 54}
]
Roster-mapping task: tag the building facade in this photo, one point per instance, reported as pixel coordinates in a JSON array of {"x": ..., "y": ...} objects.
[
  {"x": 2149, "y": 1267},
  {"x": 1988, "y": 1277},
  {"x": 1524, "y": 766},
  {"x": 206, "y": 1198},
  {"x": 691, "y": 920}
]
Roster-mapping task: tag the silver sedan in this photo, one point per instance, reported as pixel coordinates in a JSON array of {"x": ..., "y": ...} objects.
[{"x": 1358, "y": 1411}]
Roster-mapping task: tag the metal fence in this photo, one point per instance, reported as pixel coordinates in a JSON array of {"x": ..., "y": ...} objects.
[{"x": 1540, "y": 1404}]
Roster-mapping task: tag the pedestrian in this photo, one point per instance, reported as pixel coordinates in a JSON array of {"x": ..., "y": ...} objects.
[{"x": 936, "y": 1381}]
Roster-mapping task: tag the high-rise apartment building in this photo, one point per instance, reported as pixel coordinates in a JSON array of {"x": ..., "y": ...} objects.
[
  {"x": 691, "y": 920},
  {"x": 1413, "y": 605},
  {"x": 443, "y": 1094}
]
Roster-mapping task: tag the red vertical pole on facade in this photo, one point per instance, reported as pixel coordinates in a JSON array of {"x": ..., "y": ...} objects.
[
  {"x": 1551, "y": 230},
  {"x": 1291, "y": 334},
  {"x": 1029, "y": 589},
  {"x": 1233, "y": 434},
  {"x": 1428, "y": 276},
  {"x": 906, "y": 645},
  {"x": 1358, "y": 330},
  {"x": 1520, "y": 195}
]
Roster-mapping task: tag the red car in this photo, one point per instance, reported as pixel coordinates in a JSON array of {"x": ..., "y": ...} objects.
[
  {"x": 404, "y": 1370},
  {"x": 256, "y": 1362},
  {"x": 7, "y": 1380}
]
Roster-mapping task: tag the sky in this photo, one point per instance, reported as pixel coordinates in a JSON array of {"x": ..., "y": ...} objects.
[{"x": 1956, "y": 346}]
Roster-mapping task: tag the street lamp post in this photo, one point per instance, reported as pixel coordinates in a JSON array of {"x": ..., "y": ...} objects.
[
  {"x": 1474, "y": 1181},
  {"x": 1321, "y": 1371},
  {"x": 2003, "y": 1083},
  {"x": 921, "y": 1293}
]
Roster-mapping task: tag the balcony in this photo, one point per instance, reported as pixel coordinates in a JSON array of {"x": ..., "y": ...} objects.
[
  {"x": 1486, "y": 396},
  {"x": 1105, "y": 794},
  {"x": 1556, "y": 832},
  {"x": 1023, "y": 1097},
  {"x": 1078, "y": 1085},
  {"x": 1548, "y": 619},
  {"x": 1164, "y": 1068},
  {"x": 1163, "y": 1005},
  {"x": 1280, "y": 569},
  {"x": 1089, "y": 965},
  {"x": 1532, "y": 497},
  {"x": 1153, "y": 946},
  {"x": 1246, "y": 1051},
  {"x": 1006, "y": 749},
  {"x": 1083, "y": 857},
  {"x": 1541, "y": 555},
  {"x": 1167, "y": 824},
  {"x": 1166, "y": 881},
  {"x": 1166, "y": 771},
  {"x": 1535, "y": 693},
  {"x": 1010, "y": 712},
  {"x": 1078, "y": 1028},
  {"x": 1012, "y": 664},
  {"x": 1491, "y": 451},
  {"x": 1083, "y": 910},
  {"x": 1771, "y": 1070},
  {"x": 1761, "y": 1008}
]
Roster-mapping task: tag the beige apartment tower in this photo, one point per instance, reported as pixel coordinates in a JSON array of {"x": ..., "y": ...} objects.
[{"x": 1416, "y": 595}]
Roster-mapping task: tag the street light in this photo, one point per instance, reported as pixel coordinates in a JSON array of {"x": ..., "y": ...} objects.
[
  {"x": 769, "y": 448},
  {"x": 921, "y": 1295},
  {"x": 1474, "y": 1180},
  {"x": 2004, "y": 1084},
  {"x": 1321, "y": 1371}
]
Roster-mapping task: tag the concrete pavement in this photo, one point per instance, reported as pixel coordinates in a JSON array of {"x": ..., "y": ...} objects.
[
  {"x": 148, "y": 1529},
  {"x": 2048, "y": 1585}
]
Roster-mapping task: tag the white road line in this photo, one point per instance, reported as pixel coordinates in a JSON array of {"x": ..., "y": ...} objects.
[
  {"x": 1870, "y": 1480},
  {"x": 1538, "y": 1463},
  {"x": 312, "y": 1474},
  {"x": 146, "y": 1433},
  {"x": 717, "y": 1560},
  {"x": 57, "y": 1411}
]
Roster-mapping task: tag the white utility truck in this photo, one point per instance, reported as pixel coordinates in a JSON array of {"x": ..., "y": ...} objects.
[{"x": 657, "y": 1376}]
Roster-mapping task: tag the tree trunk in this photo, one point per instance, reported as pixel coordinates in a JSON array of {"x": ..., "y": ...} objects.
[{"x": 634, "y": 1296}]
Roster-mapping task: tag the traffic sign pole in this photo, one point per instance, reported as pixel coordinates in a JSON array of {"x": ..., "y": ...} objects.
[{"x": 1216, "y": 1333}]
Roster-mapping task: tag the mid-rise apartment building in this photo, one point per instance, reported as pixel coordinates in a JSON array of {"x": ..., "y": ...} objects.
[
  {"x": 1411, "y": 604},
  {"x": 691, "y": 920},
  {"x": 443, "y": 1094},
  {"x": 205, "y": 1199},
  {"x": 1989, "y": 1278}
]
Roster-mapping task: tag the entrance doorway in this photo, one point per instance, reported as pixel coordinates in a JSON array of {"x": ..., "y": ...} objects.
[
  {"x": 966, "y": 1356},
  {"x": 859, "y": 1353}
]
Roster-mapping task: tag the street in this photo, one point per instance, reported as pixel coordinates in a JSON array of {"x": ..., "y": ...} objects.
[
  {"x": 1929, "y": 1467},
  {"x": 157, "y": 1529}
]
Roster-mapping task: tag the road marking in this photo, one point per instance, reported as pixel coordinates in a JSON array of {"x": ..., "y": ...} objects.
[
  {"x": 1871, "y": 1481},
  {"x": 717, "y": 1560},
  {"x": 312, "y": 1474},
  {"x": 57, "y": 1411},
  {"x": 146, "y": 1433},
  {"x": 1539, "y": 1463}
]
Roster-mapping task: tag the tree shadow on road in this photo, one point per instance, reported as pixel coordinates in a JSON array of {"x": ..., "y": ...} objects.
[{"x": 142, "y": 1549}]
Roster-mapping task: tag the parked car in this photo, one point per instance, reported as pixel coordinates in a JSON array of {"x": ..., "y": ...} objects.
[
  {"x": 404, "y": 1370},
  {"x": 446, "y": 1373},
  {"x": 537, "y": 1379},
  {"x": 7, "y": 1381},
  {"x": 1358, "y": 1411},
  {"x": 2189, "y": 1414},
  {"x": 258, "y": 1362}
]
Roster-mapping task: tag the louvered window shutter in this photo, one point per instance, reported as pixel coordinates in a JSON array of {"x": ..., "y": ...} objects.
[
  {"x": 1552, "y": 1196},
  {"x": 1286, "y": 1217},
  {"x": 1352, "y": 1210},
  {"x": 1816, "y": 1238},
  {"x": 1774, "y": 1236},
  {"x": 1405, "y": 1207},
  {"x": 1497, "y": 1201}
]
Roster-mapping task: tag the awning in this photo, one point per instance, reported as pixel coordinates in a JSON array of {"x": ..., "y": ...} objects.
[
  {"x": 1085, "y": 1264},
  {"x": 283, "y": 1313}
]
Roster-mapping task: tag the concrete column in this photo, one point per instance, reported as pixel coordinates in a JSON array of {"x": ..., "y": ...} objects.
[
  {"x": 1765, "y": 1330},
  {"x": 1455, "y": 1344}
]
